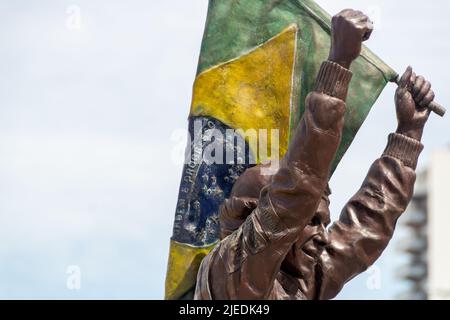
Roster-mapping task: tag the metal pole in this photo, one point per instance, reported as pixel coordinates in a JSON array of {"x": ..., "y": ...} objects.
[{"x": 433, "y": 106}]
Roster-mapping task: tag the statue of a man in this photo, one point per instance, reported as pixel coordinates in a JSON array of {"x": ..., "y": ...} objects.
[{"x": 275, "y": 242}]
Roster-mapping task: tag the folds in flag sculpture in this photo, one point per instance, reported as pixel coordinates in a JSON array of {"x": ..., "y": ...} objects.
[{"x": 259, "y": 60}]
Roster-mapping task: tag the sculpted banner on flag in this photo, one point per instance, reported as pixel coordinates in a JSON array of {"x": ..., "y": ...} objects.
[{"x": 258, "y": 61}]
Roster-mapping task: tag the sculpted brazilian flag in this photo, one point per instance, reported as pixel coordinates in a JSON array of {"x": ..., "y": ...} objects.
[{"x": 258, "y": 61}]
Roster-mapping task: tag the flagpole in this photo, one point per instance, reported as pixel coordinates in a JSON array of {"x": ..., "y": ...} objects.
[{"x": 433, "y": 106}]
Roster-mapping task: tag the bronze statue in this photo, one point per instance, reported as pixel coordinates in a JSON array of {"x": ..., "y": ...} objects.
[{"x": 275, "y": 242}]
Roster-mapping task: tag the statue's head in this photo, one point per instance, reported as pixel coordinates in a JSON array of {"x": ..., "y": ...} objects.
[{"x": 304, "y": 255}]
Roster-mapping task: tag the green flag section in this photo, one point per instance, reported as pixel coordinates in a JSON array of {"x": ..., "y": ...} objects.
[
  {"x": 259, "y": 60},
  {"x": 234, "y": 28}
]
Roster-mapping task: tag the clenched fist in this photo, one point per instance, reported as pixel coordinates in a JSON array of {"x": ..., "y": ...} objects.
[
  {"x": 412, "y": 97},
  {"x": 349, "y": 29}
]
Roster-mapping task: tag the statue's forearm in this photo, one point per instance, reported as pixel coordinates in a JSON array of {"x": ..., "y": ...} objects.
[
  {"x": 304, "y": 171},
  {"x": 367, "y": 222}
]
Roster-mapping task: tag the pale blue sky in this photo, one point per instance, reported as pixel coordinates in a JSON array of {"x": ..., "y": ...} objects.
[{"x": 86, "y": 118}]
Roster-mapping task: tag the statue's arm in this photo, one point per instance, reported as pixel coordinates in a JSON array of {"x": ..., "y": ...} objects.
[
  {"x": 245, "y": 264},
  {"x": 367, "y": 222}
]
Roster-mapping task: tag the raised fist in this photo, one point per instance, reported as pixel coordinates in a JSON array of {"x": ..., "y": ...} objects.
[
  {"x": 349, "y": 29},
  {"x": 412, "y": 98}
]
